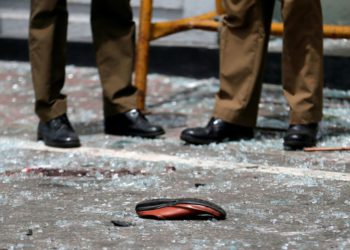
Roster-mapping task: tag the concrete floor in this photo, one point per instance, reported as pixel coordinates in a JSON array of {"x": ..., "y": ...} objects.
[{"x": 66, "y": 199}]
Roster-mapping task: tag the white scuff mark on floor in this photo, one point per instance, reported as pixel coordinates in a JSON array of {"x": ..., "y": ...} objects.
[{"x": 194, "y": 162}]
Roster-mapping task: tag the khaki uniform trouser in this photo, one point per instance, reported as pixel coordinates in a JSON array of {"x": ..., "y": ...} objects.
[
  {"x": 113, "y": 35},
  {"x": 244, "y": 39}
]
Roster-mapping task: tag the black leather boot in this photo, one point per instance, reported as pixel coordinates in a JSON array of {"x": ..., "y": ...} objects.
[
  {"x": 58, "y": 133},
  {"x": 131, "y": 123},
  {"x": 216, "y": 131},
  {"x": 300, "y": 136}
]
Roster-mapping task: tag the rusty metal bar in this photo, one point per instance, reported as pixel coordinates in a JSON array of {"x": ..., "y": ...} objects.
[
  {"x": 326, "y": 149},
  {"x": 205, "y": 22},
  {"x": 142, "y": 53},
  {"x": 329, "y": 31},
  {"x": 219, "y": 7},
  {"x": 162, "y": 29}
]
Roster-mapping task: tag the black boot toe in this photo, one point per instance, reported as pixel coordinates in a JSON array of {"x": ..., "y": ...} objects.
[
  {"x": 300, "y": 136},
  {"x": 216, "y": 131},
  {"x": 132, "y": 123},
  {"x": 59, "y": 133}
]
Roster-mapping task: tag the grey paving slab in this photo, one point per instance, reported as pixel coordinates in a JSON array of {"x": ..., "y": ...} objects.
[{"x": 66, "y": 199}]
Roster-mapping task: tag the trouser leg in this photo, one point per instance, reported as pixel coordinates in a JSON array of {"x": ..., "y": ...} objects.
[
  {"x": 303, "y": 60},
  {"x": 244, "y": 39},
  {"x": 47, "y": 48},
  {"x": 113, "y": 34}
]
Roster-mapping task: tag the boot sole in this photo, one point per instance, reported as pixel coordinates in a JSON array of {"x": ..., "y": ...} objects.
[
  {"x": 75, "y": 144},
  {"x": 296, "y": 145},
  {"x": 198, "y": 141},
  {"x": 148, "y": 135}
]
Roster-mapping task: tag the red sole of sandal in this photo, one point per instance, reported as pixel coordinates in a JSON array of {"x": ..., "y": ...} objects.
[{"x": 188, "y": 208}]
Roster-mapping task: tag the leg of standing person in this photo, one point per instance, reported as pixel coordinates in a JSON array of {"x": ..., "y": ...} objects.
[
  {"x": 303, "y": 70},
  {"x": 114, "y": 34},
  {"x": 243, "y": 46},
  {"x": 47, "y": 47}
]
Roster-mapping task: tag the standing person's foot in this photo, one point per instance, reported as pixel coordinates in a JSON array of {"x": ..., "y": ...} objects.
[
  {"x": 216, "y": 131},
  {"x": 300, "y": 136},
  {"x": 58, "y": 132},
  {"x": 132, "y": 123}
]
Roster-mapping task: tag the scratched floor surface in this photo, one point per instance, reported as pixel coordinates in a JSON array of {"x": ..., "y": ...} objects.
[{"x": 66, "y": 199}]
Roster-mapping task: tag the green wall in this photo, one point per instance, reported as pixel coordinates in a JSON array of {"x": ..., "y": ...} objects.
[{"x": 334, "y": 11}]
